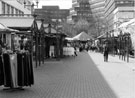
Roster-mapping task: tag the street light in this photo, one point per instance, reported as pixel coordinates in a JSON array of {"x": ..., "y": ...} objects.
[
  {"x": 34, "y": 30},
  {"x": 31, "y": 5}
]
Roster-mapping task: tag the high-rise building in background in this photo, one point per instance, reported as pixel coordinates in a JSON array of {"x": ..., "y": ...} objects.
[
  {"x": 117, "y": 12},
  {"x": 114, "y": 12},
  {"x": 81, "y": 10},
  {"x": 97, "y": 8}
]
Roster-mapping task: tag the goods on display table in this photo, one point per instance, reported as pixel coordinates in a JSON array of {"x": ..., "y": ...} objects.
[{"x": 68, "y": 51}]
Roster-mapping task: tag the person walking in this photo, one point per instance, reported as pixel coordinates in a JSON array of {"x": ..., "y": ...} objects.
[
  {"x": 75, "y": 51},
  {"x": 106, "y": 51}
]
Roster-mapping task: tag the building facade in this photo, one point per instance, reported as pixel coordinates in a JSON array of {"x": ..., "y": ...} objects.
[
  {"x": 14, "y": 14},
  {"x": 15, "y": 7},
  {"x": 80, "y": 9},
  {"x": 117, "y": 12},
  {"x": 97, "y": 8},
  {"x": 52, "y": 15}
]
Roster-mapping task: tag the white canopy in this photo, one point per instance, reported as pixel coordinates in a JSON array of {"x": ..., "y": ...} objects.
[
  {"x": 125, "y": 24},
  {"x": 102, "y": 36},
  {"x": 68, "y": 38},
  {"x": 82, "y": 36},
  {"x": 4, "y": 28}
]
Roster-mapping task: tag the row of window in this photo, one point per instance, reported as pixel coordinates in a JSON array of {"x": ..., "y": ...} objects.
[
  {"x": 85, "y": 10},
  {"x": 10, "y": 10},
  {"x": 124, "y": 2},
  {"x": 84, "y": 14},
  {"x": 81, "y": 4},
  {"x": 84, "y": 5}
]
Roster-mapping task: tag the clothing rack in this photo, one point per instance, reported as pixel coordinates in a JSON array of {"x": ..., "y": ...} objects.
[{"x": 16, "y": 70}]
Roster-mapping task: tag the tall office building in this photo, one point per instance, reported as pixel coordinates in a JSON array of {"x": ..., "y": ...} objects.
[
  {"x": 97, "y": 7},
  {"x": 117, "y": 12},
  {"x": 81, "y": 10}
]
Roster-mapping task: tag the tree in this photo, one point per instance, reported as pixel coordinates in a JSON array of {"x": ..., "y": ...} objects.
[
  {"x": 100, "y": 25},
  {"x": 68, "y": 28},
  {"x": 81, "y": 25}
]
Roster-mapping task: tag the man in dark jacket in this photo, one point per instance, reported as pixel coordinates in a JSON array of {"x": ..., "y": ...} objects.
[{"x": 106, "y": 51}]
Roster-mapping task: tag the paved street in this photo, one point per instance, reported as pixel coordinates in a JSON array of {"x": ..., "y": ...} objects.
[
  {"x": 79, "y": 77},
  {"x": 118, "y": 73}
]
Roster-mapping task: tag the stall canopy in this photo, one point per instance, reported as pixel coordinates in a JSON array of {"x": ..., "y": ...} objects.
[
  {"x": 82, "y": 37},
  {"x": 68, "y": 38},
  {"x": 125, "y": 24},
  {"x": 102, "y": 36},
  {"x": 3, "y": 28}
]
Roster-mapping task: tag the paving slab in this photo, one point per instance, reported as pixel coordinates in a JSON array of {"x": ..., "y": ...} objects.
[
  {"x": 71, "y": 77},
  {"x": 118, "y": 73}
]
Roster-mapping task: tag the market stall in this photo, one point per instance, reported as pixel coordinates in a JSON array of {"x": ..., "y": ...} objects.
[{"x": 16, "y": 67}]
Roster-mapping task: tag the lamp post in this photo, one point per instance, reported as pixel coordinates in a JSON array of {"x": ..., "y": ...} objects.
[
  {"x": 42, "y": 41},
  {"x": 34, "y": 33},
  {"x": 31, "y": 5},
  {"x": 34, "y": 30}
]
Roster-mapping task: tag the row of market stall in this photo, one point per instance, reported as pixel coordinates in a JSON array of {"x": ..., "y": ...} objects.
[
  {"x": 41, "y": 44},
  {"x": 121, "y": 40},
  {"x": 16, "y": 67},
  {"x": 81, "y": 41}
]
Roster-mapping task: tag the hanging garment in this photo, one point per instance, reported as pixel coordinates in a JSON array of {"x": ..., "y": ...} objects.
[
  {"x": 13, "y": 63},
  {"x": 31, "y": 74},
  {"x": 1, "y": 71},
  {"x": 26, "y": 70},
  {"x": 20, "y": 69},
  {"x": 7, "y": 70}
]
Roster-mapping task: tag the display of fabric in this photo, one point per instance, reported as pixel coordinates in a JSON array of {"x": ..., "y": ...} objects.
[
  {"x": 1, "y": 71},
  {"x": 16, "y": 70},
  {"x": 31, "y": 69},
  {"x": 20, "y": 70},
  {"x": 13, "y": 64},
  {"x": 7, "y": 70}
]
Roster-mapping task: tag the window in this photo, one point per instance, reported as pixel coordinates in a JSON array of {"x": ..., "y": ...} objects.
[
  {"x": 20, "y": 13},
  {"x": 29, "y": 7},
  {"x": 8, "y": 9},
  {"x": 16, "y": 11},
  {"x": 12, "y": 11},
  {"x": 121, "y": 1},
  {"x": 3, "y": 8},
  {"x": 4, "y": 38}
]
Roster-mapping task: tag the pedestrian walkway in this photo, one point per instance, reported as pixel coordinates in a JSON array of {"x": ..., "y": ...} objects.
[
  {"x": 118, "y": 73},
  {"x": 73, "y": 77}
]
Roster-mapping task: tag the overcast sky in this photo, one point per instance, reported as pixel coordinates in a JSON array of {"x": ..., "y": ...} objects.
[{"x": 63, "y": 4}]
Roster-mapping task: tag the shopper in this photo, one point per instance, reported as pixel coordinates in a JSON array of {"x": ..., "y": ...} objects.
[{"x": 106, "y": 51}]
